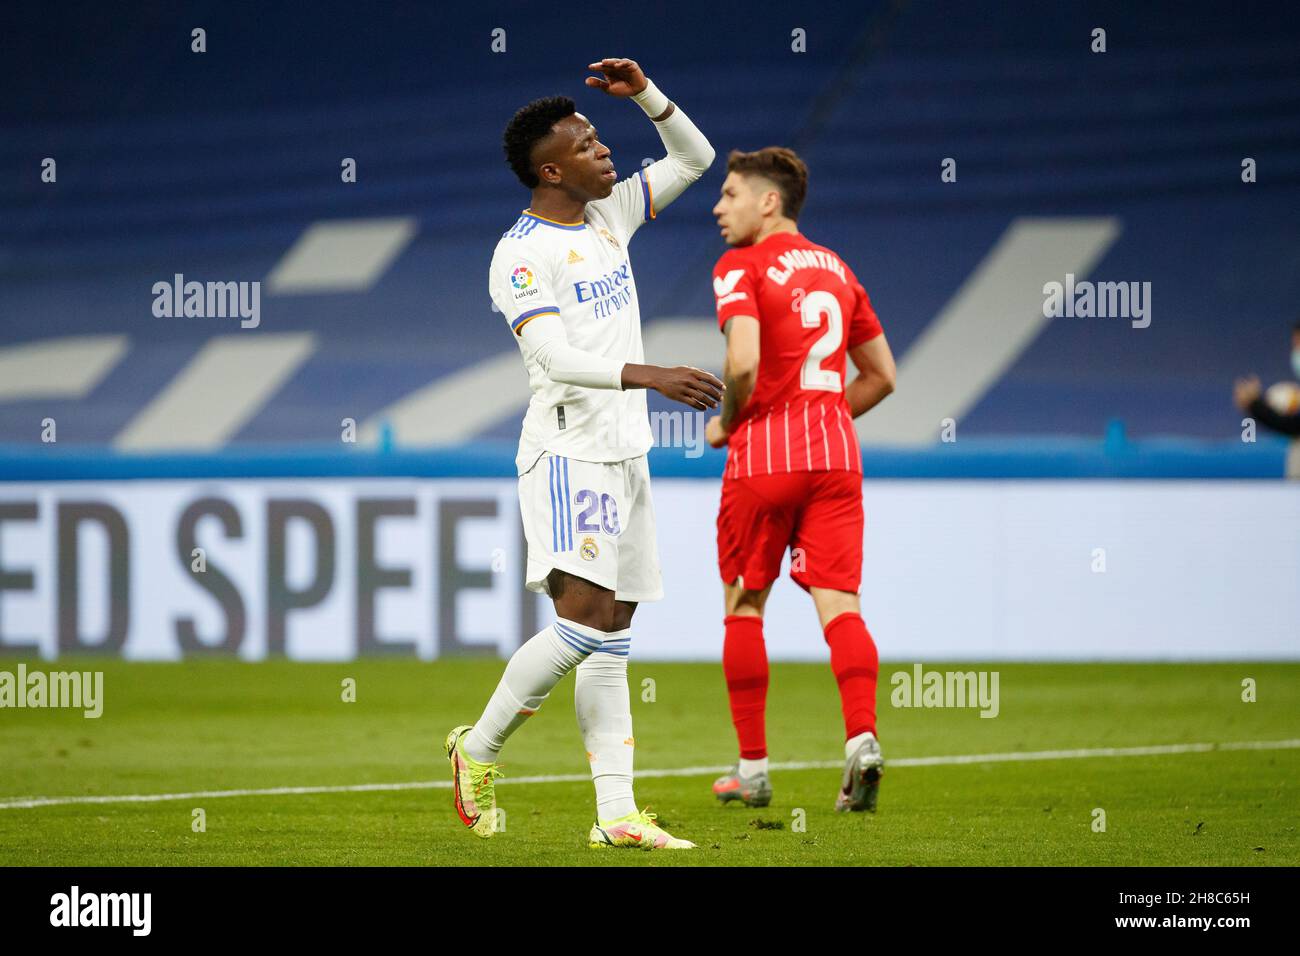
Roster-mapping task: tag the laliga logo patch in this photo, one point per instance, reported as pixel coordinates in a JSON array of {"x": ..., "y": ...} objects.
[
  {"x": 523, "y": 282},
  {"x": 521, "y": 277},
  {"x": 589, "y": 550}
]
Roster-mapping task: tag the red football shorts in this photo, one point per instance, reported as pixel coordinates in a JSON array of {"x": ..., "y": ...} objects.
[{"x": 817, "y": 514}]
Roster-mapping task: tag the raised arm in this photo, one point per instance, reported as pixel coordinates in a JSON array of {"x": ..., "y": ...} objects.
[{"x": 689, "y": 152}]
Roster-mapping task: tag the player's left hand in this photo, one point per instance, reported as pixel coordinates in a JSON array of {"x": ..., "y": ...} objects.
[
  {"x": 714, "y": 433},
  {"x": 622, "y": 77},
  {"x": 1244, "y": 392}
]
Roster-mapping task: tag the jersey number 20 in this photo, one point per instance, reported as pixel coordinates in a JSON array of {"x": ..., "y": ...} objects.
[{"x": 813, "y": 307}]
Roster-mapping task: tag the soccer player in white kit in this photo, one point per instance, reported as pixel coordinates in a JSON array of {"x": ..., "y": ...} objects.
[{"x": 562, "y": 279}]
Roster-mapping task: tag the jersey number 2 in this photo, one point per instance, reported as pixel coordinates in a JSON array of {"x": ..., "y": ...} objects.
[{"x": 813, "y": 307}]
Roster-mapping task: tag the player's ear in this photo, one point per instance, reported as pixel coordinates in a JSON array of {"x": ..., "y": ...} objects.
[{"x": 549, "y": 173}]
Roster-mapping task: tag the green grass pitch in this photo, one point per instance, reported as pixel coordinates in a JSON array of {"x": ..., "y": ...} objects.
[{"x": 212, "y": 725}]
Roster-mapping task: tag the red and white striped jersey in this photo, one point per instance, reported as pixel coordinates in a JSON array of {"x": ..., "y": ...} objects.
[{"x": 811, "y": 310}]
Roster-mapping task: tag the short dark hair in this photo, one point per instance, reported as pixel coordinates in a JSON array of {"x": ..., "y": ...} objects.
[
  {"x": 782, "y": 166},
  {"x": 527, "y": 128}
]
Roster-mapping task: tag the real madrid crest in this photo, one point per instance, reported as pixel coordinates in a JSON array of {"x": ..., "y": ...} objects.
[
  {"x": 610, "y": 237},
  {"x": 589, "y": 549}
]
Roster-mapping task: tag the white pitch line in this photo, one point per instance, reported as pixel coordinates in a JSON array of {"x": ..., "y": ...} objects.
[{"x": 22, "y": 803}]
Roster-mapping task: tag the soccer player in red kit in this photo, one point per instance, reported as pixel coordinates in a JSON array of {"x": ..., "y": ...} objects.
[{"x": 792, "y": 311}]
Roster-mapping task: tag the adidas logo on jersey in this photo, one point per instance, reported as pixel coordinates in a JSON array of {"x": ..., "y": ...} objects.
[{"x": 574, "y": 257}]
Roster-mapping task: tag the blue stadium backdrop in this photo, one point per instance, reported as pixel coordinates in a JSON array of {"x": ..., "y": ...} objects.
[{"x": 338, "y": 455}]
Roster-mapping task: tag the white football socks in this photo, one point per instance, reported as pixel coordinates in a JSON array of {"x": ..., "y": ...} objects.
[
  {"x": 752, "y": 768},
  {"x": 853, "y": 743},
  {"x": 532, "y": 671},
  {"x": 605, "y": 719}
]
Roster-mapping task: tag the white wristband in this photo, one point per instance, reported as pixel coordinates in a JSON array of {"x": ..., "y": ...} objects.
[{"x": 651, "y": 100}]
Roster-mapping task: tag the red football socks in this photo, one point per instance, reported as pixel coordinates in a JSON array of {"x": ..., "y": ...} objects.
[
  {"x": 856, "y": 664},
  {"x": 744, "y": 663}
]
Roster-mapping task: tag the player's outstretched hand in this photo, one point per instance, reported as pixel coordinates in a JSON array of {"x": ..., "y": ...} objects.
[
  {"x": 690, "y": 386},
  {"x": 622, "y": 77},
  {"x": 714, "y": 433},
  {"x": 685, "y": 383}
]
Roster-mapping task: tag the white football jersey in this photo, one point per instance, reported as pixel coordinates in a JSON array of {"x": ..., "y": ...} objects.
[{"x": 580, "y": 272}]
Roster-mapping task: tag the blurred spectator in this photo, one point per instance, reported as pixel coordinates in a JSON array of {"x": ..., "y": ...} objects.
[{"x": 1250, "y": 399}]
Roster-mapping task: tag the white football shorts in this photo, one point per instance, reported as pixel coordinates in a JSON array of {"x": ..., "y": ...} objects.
[{"x": 594, "y": 520}]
